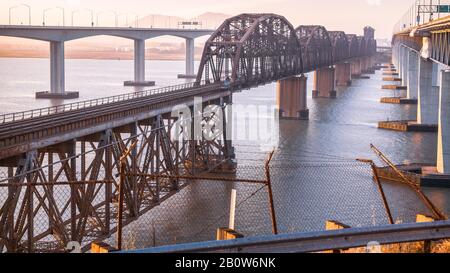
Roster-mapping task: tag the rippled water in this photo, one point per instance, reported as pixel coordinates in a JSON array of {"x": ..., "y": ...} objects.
[{"x": 313, "y": 177}]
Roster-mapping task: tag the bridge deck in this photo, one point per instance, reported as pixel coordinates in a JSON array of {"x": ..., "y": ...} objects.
[{"x": 54, "y": 126}]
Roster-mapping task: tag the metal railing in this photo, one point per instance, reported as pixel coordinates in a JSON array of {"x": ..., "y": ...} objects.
[
  {"x": 422, "y": 12},
  {"x": 316, "y": 241},
  {"x": 29, "y": 114}
]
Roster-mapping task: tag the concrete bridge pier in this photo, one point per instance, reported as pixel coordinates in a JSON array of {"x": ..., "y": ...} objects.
[
  {"x": 190, "y": 58},
  {"x": 443, "y": 154},
  {"x": 413, "y": 75},
  {"x": 139, "y": 66},
  {"x": 343, "y": 74},
  {"x": 324, "y": 83},
  {"x": 292, "y": 102},
  {"x": 428, "y": 94},
  {"x": 57, "y": 75},
  {"x": 404, "y": 66},
  {"x": 356, "y": 68},
  {"x": 367, "y": 67},
  {"x": 435, "y": 76}
]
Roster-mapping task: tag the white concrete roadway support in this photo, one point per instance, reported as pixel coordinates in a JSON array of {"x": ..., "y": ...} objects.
[
  {"x": 57, "y": 68},
  {"x": 57, "y": 75},
  {"x": 139, "y": 66},
  {"x": 404, "y": 65},
  {"x": 443, "y": 155},
  {"x": 413, "y": 74},
  {"x": 428, "y": 96},
  {"x": 190, "y": 58},
  {"x": 435, "y": 76}
]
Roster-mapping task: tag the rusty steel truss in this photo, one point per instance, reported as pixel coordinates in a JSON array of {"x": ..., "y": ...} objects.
[
  {"x": 252, "y": 49},
  {"x": 63, "y": 164},
  {"x": 69, "y": 192},
  {"x": 340, "y": 45}
]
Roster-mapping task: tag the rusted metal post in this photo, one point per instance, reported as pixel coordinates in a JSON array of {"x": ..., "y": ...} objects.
[
  {"x": 380, "y": 188},
  {"x": 270, "y": 192},
  {"x": 120, "y": 201}
]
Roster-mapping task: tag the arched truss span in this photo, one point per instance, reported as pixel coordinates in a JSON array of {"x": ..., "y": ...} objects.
[
  {"x": 316, "y": 47},
  {"x": 353, "y": 45},
  {"x": 362, "y": 42},
  {"x": 340, "y": 45},
  {"x": 251, "y": 49}
]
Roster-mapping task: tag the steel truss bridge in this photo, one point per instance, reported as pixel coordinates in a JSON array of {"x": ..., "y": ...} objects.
[{"x": 62, "y": 162}]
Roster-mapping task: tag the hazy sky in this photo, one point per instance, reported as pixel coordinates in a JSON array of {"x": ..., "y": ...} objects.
[{"x": 348, "y": 15}]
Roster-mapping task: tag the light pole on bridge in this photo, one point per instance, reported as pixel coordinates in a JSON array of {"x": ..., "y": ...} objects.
[
  {"x": 79, "y": 10},
  {"x": 21, "y": 5}
]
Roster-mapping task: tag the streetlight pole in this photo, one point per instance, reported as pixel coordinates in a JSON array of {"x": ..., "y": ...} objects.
[
  {"x": 63, "y": 11},
  {"x": 43, "y": 15},
  {"x": 136, "y": 19},
  {"x": 116, "y": 17},
  {"x": 91, "y": 11},
  {"x": 21, "y": 5}
]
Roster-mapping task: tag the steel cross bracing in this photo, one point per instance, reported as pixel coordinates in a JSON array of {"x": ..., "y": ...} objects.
[
  {"x": 253, "y": 49},
  {"x": 436, "y": 36},
  {"x": 69, "y": 192},
  {"x": 62, "y": 162}
]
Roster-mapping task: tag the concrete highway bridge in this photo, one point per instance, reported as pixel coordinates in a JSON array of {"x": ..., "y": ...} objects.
[{"x": 79, "y": 147}]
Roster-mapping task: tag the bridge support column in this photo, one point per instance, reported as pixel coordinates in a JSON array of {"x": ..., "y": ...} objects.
[
  {"x": 292, "y": 101},
  {"x": 190, "y": 56},
  {"x": 435, "y": 76},
  {"x": 413, "y": 74},
  {"x": 356, "y": 68},
  {"x": 139, "y": 66},
  {"x": 428, "y": 96},
  {"x": 405, "y": 65},
  {"x": 443, "y": 158},
  {"x": 57, "y": 75},
  {"x": 367, "y": 66},
  {"x": 343, "y": 74},
  {"x": 324, "y": 83}
]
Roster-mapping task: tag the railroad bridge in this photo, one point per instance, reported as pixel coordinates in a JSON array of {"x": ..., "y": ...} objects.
[{"x": 79, "y": 147}]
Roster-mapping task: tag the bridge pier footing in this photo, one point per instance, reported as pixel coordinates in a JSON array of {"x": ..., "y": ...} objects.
[
  {"x": 190, "y": 56},
  {"x": 292, "y": 101},
  {"x": 139, "y": 66},
  {"x": 443, "y": 154},
  {"x": 405, "y": 65},
  {"x": 324, "y": 83},
  {"x": 356, "y": 68},
  {"x": 428, "y": 95},
  {"x": 413, "y": 75},
  {"x": 343, "y": 74},
  {"x": 57, "y": 75}
]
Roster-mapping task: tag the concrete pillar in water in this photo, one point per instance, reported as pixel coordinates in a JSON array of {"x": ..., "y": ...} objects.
[
  {"x": 428, "y": 95},
  {"x": 405, "y": 64},
  {"x": 356, "y": 68},
  {"x": 343, "y": 74},
  {"x": 443, "y": 154},
  {"x": 139, "y": 66},
  {"x": 435, "y": 76},
  {"x": 190, "y": 55},
  {"x": 57, "y": 75},
  {"x": 292, "y": 101},
  {"x": 324, "y": 83},
  {"x": 413, "y": 74}
]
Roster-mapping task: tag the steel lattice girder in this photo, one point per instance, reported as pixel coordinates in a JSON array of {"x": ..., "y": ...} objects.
[
  {"x": 316, "y": 47},
  {"x": 259, "y": 48},
  {"x": 440, "y": 49},
  {"x": 252, "y": 49},
  {"x": 340, "y": 44}
]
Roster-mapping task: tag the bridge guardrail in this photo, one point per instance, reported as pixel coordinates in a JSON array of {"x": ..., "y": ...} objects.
[{"x": 29, "y": 114}]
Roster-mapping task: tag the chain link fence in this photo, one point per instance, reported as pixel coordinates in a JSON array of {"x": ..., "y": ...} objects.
[{"x": 308, "y": 190}]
